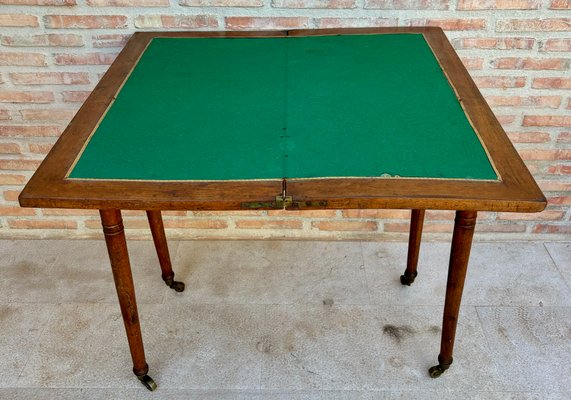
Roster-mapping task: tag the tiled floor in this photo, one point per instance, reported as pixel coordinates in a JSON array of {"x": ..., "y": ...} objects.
[{"x": 285, "y": 320}]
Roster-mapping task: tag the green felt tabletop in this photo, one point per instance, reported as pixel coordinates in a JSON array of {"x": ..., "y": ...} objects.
[{"x": 289, "y": 107}]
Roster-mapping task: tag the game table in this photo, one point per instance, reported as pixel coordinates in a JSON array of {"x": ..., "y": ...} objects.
[{"x": 384, "y": 118}]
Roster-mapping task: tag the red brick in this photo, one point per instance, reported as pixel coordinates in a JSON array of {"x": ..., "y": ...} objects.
[
  {"x": 355, "y": 226},
  {"x": 530, "y": 63},
  {"x": 40, "y": 148},
  {"x": 505, "y": 119},
  {"x": 176, "y": 21},
  {"x": 11, "y": 195},
  {"x": 498, "y": 4},
  {"x": 529, "y": 137},
  {"x": 325, "y": 23},
  {"x": 85, "y": 59},
  {"x": 44, "y": 40},
  {"x": 564, "y": 137},
  {"x": 556, "y": 45},
  {"x": 303, "y": 213},
  {"x": 459, "y": 24},
  {"x": 72, "y": 213},
  {"x": 554, "y": 186},
  {"x": 29, "y": 131},
  {"x": 559, "y": 169},
  {"x": 128, "y": 3},
  {"x": 11, "y": 96},
  {"x": 12, "y": 179},
  {"x": 555, "y": 229},
  {"x": 241, "y": 213},
  {"x": 41, "y": 224},
  {"x": 222, "y": 3},
  {"x": 85, "y": 21},
  {"x": 473, "y": 63},
  {"x": 110, "y": 40},
  {"x": 547, "y": 120},
  {"x": 551, "y": 83},
  {"x": 10, "y": 148},
  {"x": 39, "y": 2},
  {"x": 18, "y": 20},
  {"x": 269, "y": 224},
  {"x": 78, "y": 96},
  {"x": 559, "y": 200},
  {"x": 50, "y": 78},
  {"x": 380, "y": 214},
  {"x": 539, "y": 155},
  {"x": 560, "y": 5},
  {"x": 196, "y": 223},
  {"x": 489, "y": 43},
  {"x": 22, "y": 59},
  {"x": 24, "y": 165},
  {"x": 524, "y": 101},
  {"x": 314, "y": 3},
  {"x": 433, "y": 215},
  {"x": 501, "y": 228},
  {"x": 502, "y": 82},
  {"x": 47, "y": 115},
  {"x": 408, "y": 4},
  {"x": 428, "y": 228},
  {"x": 245, "y": 23},
  {"x": 16, "y": 211},
  {"x": 533, "y": 25}
]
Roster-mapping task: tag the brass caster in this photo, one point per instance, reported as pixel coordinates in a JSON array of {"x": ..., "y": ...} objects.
[
  {"x": 408, "y": 279},
  {"x": 176, "y": 285},
  {"x": 436, "y": 371},
  {"x": 148, "y": 382}
]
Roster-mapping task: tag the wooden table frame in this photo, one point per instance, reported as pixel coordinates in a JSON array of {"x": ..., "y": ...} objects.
[{"x": 515, "y": 191}]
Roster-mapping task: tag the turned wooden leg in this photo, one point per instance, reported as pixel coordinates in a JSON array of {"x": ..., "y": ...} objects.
[
  {"x": 158, "y": 232},
  {"x": 460, "y": 253},
  {"x": 416, "y": 222},
  {"x": 119, "y": 257}
]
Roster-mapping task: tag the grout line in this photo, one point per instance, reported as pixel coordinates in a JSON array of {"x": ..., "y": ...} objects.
[
  {"x": 365, "y": 272},
  {"x": 39, "y": 339},
  {"x": 544, "y": 244}
]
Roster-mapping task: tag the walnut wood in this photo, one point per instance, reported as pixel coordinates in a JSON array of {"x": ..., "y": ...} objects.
[
  {"x": 516, "y": 192},
  {"x": 459, "y": 255},
  {"x": 160, "y": 240},
  {"x": 119, "y": 257},
  {"x": 414, "y": 239}
]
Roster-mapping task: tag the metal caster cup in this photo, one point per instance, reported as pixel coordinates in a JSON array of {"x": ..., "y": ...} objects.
[{"x": 148, "y": 382}]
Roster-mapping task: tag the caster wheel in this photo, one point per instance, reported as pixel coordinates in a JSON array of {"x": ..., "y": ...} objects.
[
  {"x": 148, "y": 382},
  {"x": 177, "y": 286},
  {"x": 436, "y": 371}
]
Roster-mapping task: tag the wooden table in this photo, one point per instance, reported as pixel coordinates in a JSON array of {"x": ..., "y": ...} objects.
[{"x": 309, "y": 119}]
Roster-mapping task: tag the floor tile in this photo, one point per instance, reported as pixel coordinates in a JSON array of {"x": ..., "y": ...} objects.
[
  {"x": 271, "y": 272},
  {"x": 526, "y": 342},
  {"x": 21, "y": 325},
  {"x": 498, "y": 274},
  {"x": 203, "y": 346},
  {"x": 187, "y": 346},
  {"x": 83, "y": 345},
  {"x": 76, "y": 271},
  {"x": 561, "y": 254},
  {"x": 514, "y": 274},
  {"x": 386, "y": 262},
  {"x": 185, "y": 394},
  {"x": 366, "y": 348}
]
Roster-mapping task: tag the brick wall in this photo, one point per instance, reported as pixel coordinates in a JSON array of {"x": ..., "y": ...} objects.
[{"x": 53, "y": 52}]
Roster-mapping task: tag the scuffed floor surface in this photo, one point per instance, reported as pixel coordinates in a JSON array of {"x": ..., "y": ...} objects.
[{"x": 285, "y": 320}]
